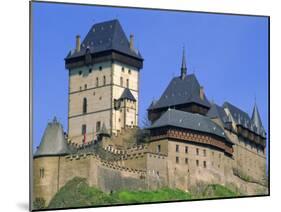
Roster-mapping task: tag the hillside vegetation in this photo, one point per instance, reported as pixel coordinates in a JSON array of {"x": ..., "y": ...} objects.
[{"x": 77, "y": 193}]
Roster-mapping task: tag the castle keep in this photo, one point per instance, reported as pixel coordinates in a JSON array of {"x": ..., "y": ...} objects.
[
  {"x": 103, "y": 82},
  {"x": 189, "y": 140}
]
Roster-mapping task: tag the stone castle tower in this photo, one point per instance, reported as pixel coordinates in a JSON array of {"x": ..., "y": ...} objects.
[{"x": 103, "y": 82}]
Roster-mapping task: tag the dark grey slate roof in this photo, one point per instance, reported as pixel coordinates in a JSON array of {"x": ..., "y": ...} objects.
[
  {"x": 242, "y": 118},
  {"x": 238, "y": 115},
  {"x": 256, "y": 119},
  {"x": 127, "y": 94},
  {"x": 190, "y": 121},
  {"x": 103, "y": 130},
  {"x": 106, "y": 36},
  {"x": 218, "y": 112},
  {"x": 181, "y": 91},
  {"x": 53, "y": 141}
]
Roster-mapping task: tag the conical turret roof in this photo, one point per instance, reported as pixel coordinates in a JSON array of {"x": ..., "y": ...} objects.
[
  {"x": 103, "y": 130},
  {"x": 53, "y": 142},
  {"x": 256, "y": 119},
  {"x": 127, "y": 94}
]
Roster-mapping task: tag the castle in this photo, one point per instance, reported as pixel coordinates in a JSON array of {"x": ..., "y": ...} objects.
[{"x": 189, "y": 141}]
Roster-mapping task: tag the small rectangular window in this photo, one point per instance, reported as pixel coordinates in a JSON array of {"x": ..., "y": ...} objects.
[
  {"x": 158, "y": 148},
  {"x": 177, "y": 159},
  {"x": 204, "y": 151},
  {"x": 121, "y": 81},
  {"x": 41, "y": 173},
  {"x": 186, "y": 160},
  {"x": 97, "y": 82},
  {"x": 84, "y": 129},
  {"x": 197, "y": 162},
  {"x": 186, "y": 149},
  {"x": 177, "y": 148},
  {"x": 98, "y": 126},
  {"x": 197, "y": 151},
  {"x": 205, "y": 164}
]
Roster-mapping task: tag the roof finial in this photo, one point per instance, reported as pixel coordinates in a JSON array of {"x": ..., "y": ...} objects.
[{"x": 183, "y": 65}]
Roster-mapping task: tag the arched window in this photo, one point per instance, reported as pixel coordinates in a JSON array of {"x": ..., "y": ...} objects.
[
  {"x": 104, "y": 80},
  {"x": 121, "y": 81},
  {"x": 97, "y": 82},
  {"x": 127, "y": 83},
  {"x": 85, "y": 105}
]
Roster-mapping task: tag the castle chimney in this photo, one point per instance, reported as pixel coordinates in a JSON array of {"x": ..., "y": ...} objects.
[
  {"x": 78, "y": 43},
  {"x": 131, "y": 41},
  {"x": 201, "y": 92}
]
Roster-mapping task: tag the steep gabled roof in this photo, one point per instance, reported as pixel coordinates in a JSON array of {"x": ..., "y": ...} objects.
[
  {"x": 238, "y": 114},
  {"x": 127, "y": 94},
  {"x": 242, "y": 118},
  {"x": 53, "y": 142},
  {"x": 103, "y": 37},
  {"x": 218, "y": 112},
  {"x": 190, "y": 121},
  {"x": 181, "y": 91}
]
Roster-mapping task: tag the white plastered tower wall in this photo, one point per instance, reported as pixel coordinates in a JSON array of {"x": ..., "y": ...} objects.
[
  {"x": 100, "y": 85},
  {"x": 123, "y": 73}
]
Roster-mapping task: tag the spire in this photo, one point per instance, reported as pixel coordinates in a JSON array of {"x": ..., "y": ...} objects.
[
  {"x": 183, "y": 65},
  {"x": 256, "y": 119}
]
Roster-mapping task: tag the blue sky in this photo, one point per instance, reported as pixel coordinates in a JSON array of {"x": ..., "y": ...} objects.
[{"x": 228, "y": 54}]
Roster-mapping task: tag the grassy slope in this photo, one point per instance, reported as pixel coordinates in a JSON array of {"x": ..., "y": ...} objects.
[
  {"x": 77, "y": 193},
  {"x": 164, "y": 194}
]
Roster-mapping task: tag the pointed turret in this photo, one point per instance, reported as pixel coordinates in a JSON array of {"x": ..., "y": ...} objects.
[
  {"x": 53, "y": 142},
  {"x": 183, "y": 65},
  {"x": 256, "y": 119},
  {"x": 104, "y": 131}
]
